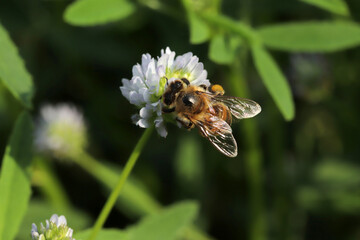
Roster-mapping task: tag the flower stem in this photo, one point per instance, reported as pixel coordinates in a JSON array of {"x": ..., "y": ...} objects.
[
  {"x": 119, "y": 186},
  {"x": 252, "y": 153},
  {"x": 44, "y": 176}
]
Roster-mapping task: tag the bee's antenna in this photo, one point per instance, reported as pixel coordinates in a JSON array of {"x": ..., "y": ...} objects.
[{"x": 185, "y": 81}]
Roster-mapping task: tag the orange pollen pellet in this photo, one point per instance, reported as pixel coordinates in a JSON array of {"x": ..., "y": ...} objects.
[{"x": 218, "y": 89}]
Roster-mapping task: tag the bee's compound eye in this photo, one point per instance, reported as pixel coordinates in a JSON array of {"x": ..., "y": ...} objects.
[{"x": 188, "y": 100}]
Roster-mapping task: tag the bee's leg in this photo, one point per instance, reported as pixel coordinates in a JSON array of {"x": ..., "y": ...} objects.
[
  {"x": 185, "y": 122},
  {"x": 216, "y": 89}
]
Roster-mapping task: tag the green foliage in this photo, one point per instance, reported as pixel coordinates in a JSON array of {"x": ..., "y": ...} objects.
[
  {"x": 335, "y": 6},
  {"x": 94, "y": 12},
  {"x": 165, "y": 225},
  {"x": 188, "y": 161},
  {"x": 15, "y": 188},
  {"x": 105, "y": 234},
  {"x": 311, "y": 36},
  {"x": 274, "y": 81},
  {"x": 49, "y": 183},
  {"x": 337, "y": 174},
  {"x": 222, "y": 49},
  {"x": 199, "y": 30},
  {"x": 13, "y": 72},
  {"x": 239, "y": 28},
  {"x": 334, "y": 188}
]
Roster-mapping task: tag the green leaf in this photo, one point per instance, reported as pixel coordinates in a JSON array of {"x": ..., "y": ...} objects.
[
  {"x": 337, "y": 173},
  {"x": 13, "y": 72},
  {"x": 333, "y": 187},
  {"x": 199, "y": 30},
  {"x": 222, "y": 50},
  {"x": 335, "y": 6},
  {"x": 40, "y": 210},
  {"x": 167, "y": 224},
  {"x": 274, "y": 81},
  {"x": 15, "y": 189},
  {"x": 95, "y": 12},
  {"x": 104, "y": 234},
  {"x": 311, "y": 36}
]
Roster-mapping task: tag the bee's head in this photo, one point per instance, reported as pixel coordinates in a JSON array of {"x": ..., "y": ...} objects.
[{"x": 173, "y": 89}]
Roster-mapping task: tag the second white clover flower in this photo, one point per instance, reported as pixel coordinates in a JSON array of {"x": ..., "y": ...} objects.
[
  {"x": 55, "y": 229},
  {"x": 60, "y": 130}
]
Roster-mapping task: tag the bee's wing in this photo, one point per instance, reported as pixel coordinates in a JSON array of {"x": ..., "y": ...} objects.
[
  {"x": 219, "y": 134},
  {"x": 239, "y": 107}
]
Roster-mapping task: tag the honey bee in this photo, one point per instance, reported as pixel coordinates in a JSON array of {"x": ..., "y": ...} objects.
[{"x": 209, "y": 110}]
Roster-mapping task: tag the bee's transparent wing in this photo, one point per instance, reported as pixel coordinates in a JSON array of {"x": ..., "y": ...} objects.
[
  {"x": 239, "y": 107},
  {"x": 219, "y": 134}
]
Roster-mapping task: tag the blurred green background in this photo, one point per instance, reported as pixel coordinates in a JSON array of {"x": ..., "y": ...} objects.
[{"x": 296, "y": 179}]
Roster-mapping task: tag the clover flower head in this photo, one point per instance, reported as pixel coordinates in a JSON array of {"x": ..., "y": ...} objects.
[
  {"x": 60, "y": 130},
  {"x": 56, "y": 229},
  {"x": 150, "y": 79}
]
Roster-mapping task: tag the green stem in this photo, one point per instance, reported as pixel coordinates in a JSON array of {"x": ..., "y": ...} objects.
[
  {"x": 160, "y": 7},
  {"x": 228, "y": 24},
  {"x": 253, "y": 154},
  {"x": 119, "y": 186},
  {"x": 281, "y": 207},
  {"x": 49, "y": 184}
]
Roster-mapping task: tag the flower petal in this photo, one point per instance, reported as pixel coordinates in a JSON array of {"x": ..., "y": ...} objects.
[
  {"x": 192, "y": 64},
  {"x": 144, "y": 123},
  {"x": 61, "y": 221},
  {"x": 196, "y": 72},
  {"x": 160, "y": 127},
  {"x": 145, "y": 112},
  {"x": 54, "y": 219},
  {"x": 137, "y": 71},
  {"x": 145, "y": 60}
]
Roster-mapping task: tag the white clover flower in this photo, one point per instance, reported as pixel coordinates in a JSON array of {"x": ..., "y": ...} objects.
[
  {"x": 150, "y": 79},
  {"x": 56, "y": 229},
  {"x": 60, "y": 130}
]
